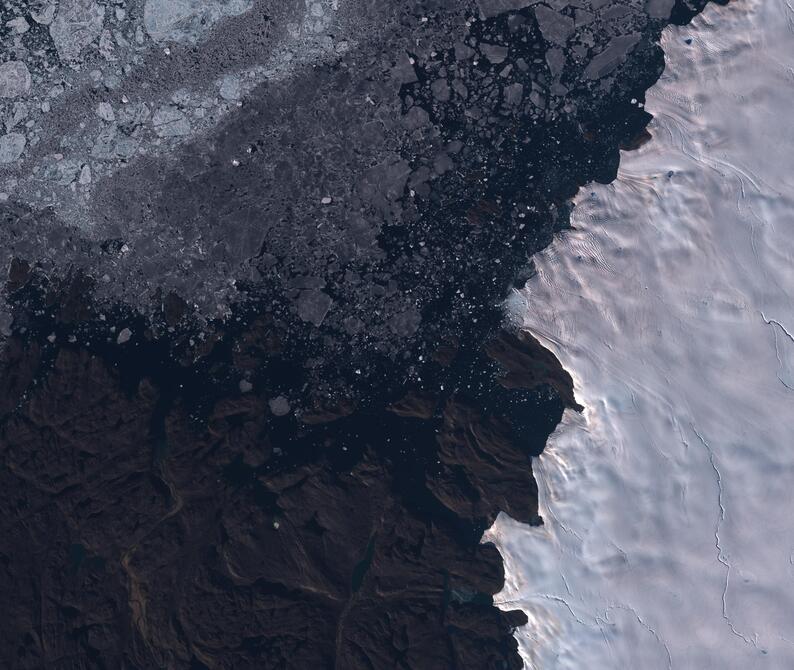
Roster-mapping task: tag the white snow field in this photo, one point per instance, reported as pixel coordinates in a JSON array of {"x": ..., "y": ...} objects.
[{"x": 669, "y": 504}]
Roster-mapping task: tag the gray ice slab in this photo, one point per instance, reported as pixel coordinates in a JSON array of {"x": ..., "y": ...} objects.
[
  {"x": 187, "y": 20},
  {"x": 11, "y": 147},
  {"x": 14, "y": 79},
  {"x": 77, "y": 23},
  {"x": 614, "y": 54}
]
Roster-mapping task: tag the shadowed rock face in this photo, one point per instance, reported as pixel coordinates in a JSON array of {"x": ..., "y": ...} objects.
[
  {"x": 136, "y": 534},
  {"x": 304, "y": 482}
]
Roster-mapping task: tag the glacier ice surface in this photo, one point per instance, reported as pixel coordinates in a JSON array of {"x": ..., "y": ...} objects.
[{"x": 669, "y": 537}]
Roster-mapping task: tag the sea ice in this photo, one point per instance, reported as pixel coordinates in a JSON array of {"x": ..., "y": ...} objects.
[
  {"x": 187, "y": 20},
  {"x": 77, "y": 23}
]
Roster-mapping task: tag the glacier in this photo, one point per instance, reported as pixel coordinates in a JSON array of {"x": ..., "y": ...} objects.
[{"x": 668, "y": 539}]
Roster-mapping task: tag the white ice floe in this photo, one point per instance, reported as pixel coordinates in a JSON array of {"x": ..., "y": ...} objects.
[{"x": 669, "y": 504}]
